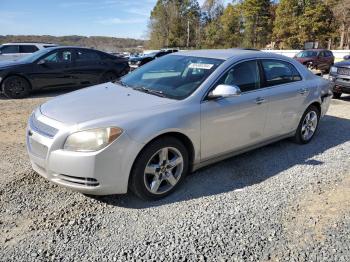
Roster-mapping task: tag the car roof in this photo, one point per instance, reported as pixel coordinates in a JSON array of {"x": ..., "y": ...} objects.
[
  {"x": 226, "y": 54},
  {"x": 29, "y": 43}
]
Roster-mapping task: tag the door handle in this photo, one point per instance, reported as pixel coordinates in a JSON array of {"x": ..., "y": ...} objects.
[
  {"x": 303, "y": 91},
  {"x": 260, "y": 100}
]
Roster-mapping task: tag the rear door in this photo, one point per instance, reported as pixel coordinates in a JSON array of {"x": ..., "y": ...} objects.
[
  {"x": 286, "y": 93},
  {"x": 89, "y": 66},
  {"x": 54, "y": 70}
]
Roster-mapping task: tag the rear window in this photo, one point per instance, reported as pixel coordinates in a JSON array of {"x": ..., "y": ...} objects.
[
  {"x": 87, "y": 55},
  {"x": 28, "y": 49},
  {"x": 9, "y": 49},
  {"x": 279, "y": 72}
]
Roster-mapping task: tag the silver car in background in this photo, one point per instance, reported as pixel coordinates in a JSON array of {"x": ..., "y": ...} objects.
[{"x": 172, "y": 116}]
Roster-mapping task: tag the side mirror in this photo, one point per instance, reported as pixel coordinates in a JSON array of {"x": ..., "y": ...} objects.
[
  {"x": 347, "y": 57},
  {"x": 42, "y": 62},
  {"x": 224, "y": 91}
]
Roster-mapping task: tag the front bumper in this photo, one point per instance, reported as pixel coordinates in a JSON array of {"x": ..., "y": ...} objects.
[
  {"x": 102, "y": 172},
  {"x": 341, "y": 84}
]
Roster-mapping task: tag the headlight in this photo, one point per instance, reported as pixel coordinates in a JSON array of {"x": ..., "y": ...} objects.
[
  {"x": 92, "y": 140},
  {"x": 138, "y": 62},
  {"x": 334, "y": 69}
]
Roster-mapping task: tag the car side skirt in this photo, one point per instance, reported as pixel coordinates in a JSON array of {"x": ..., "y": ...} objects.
[{"x": 224, "y": 156}]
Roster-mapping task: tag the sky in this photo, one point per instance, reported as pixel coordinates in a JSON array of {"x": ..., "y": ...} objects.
[{"x": 117, "y": 18}]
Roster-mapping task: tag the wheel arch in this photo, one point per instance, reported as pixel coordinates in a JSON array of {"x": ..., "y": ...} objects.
[
  {"x": 19, "y": 75},
  {"x": 187, "y": 142}
]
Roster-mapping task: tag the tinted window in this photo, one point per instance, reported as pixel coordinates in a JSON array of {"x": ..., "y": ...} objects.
[
  {"x": 321, "y": 54},
  {"x": 279, "y": 72},
  {"x": 9, "y": 49},
  {"x": 329, "y": 53},
  {"x": 86, "y": 55},
  {"x": 28, "y": 49},
  {"x": 244, "y": 75},
  {"x": 59, "y": 57}
]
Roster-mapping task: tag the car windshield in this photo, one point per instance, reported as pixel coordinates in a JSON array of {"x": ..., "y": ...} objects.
[
  {"x": 172, "y": 76},
  {"x": 34, "y": 56},
  {"x": 307, "y": 54}
]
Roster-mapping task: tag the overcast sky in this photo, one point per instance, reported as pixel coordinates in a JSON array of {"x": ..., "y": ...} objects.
[{"x": 118, "y": 18}]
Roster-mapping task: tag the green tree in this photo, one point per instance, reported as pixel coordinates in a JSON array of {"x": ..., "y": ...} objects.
[
  {"x": 169, "y": 23},
  {"x": 257, "y": 26},
  {"x": 231, "y": 26}
]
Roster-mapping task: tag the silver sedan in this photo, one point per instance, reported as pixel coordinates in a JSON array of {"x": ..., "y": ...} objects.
[{"x": 172, "y": 116}]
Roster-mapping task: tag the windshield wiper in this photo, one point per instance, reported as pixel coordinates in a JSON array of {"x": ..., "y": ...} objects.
[
  {"x": 150, "y": 91},
  {"x": 120, "y": 82}
]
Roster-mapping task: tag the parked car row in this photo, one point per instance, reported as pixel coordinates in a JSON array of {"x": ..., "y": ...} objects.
[
  {"x": 176, "y": 114},
  {"x": 137, "y": 61},
  {"x": 59, "y": 67}
]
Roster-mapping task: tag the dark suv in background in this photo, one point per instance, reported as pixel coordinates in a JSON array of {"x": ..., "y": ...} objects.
[
  {"x": 339, "y": 75},
  {"x": 135, "y": 62},
  {"x": 319, "y": 59}
]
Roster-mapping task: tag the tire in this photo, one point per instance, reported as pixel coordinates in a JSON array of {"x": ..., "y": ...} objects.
[
  {"x": 108, "y": 77},
  {"x": 308, "y": 125},
  {"x": 336, "y": 95},
  {"x": 15, "y": 87},
  {"x": 153, "y": 179}
]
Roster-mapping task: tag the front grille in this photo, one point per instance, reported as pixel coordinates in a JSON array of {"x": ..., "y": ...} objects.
[
  {"x": 84, "y": 181},
  {"x": 344, "y": 71},
  {"x": 38, "y": 149},
  {"x": 41, "y": 127}
]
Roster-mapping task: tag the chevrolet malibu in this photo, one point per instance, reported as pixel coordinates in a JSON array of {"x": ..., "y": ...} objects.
[{"x": 174, "y": 115}]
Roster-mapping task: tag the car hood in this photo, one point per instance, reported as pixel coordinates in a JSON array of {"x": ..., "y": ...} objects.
[
  {"x": 135, "y": 59},
  {"x": 343, "y": 64},
  {"x": 305, "y": 59},
  {"x": 7, "y": 64},
  {"x": 101, "y": 101}
]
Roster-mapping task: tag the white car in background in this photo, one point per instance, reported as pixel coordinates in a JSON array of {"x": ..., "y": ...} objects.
[{"x": 13, "y": 51}]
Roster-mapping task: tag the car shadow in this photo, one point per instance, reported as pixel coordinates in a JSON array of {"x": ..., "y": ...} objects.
[{"x": 248, "y": 169}]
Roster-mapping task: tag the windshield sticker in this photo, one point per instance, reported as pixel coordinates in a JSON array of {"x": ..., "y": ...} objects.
[{"x": 200, "y": 66}]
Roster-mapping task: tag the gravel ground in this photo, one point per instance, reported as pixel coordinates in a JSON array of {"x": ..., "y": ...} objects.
[{"x": 283, "y": 202}]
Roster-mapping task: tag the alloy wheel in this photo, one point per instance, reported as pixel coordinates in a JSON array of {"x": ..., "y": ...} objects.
[
  {"x": 163, "y": 171},
  {"x": 309, "y": 125}
]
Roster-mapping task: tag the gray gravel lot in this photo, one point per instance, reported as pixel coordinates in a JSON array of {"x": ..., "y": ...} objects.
[{"x": 283, "y": 202}]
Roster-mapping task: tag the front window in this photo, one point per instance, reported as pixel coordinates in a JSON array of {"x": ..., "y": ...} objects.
[
  {"x": 173, "y": 76},
  {"x": 59, "y": 57},
  {"x": 244, "y": 75},
  {"x": 304, "y": 54}
]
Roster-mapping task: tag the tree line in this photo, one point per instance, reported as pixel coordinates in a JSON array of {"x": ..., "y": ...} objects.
[
  {"x": 284, "y": 24},
  {"x": 109, "y": 44}
]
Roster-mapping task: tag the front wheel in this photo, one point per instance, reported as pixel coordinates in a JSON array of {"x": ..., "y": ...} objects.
[
  {"x": 308, "y": 125},
  {"x": 15, "y": 87},
  {"x": 159, "y": 169}
]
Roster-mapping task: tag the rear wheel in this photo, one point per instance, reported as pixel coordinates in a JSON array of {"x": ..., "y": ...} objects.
[
  {"x": 336, "y": 95},
  {"x": 108, "y": 77},
  {"x": 159, "y": 169},
  {"x": 308, "y": 125},
  {"x": 16, "y": 87}
]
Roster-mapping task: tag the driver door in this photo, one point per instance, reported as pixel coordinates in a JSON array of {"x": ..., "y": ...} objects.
[
  {"x": 55, "y": 70},
  {"x": 233, "y": 123}
]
